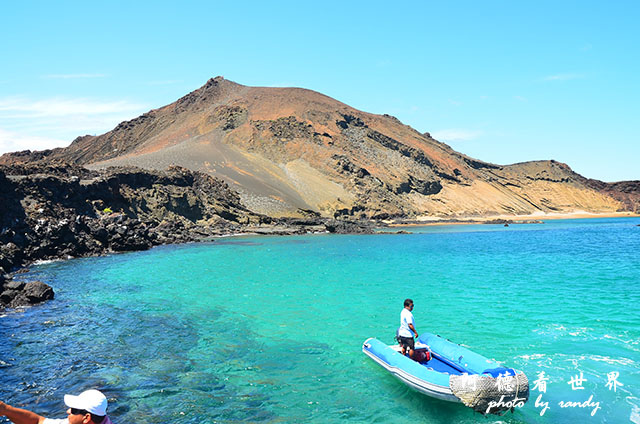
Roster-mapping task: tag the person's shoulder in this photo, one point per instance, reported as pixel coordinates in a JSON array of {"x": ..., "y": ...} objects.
[{"x": 53, "y": 421}]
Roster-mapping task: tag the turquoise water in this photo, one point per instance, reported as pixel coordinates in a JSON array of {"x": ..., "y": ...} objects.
[{"x": 270, "y": 328}]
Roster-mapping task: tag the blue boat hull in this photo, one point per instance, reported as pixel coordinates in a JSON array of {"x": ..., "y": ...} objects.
[
  {"x": 413, "y": 374},
  {"x": 450, "y": 370}
]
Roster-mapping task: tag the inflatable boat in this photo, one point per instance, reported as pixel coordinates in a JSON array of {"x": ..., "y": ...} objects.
[{"x": 450, "y": 372}]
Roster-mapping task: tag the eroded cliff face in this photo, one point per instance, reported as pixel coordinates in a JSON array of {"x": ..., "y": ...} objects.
[
  {"x": 626, "y": 192},
  {"x": 55, "y": 210},
  {"x": 290, "y": 150},
  {"x": 526, "y": 188}
]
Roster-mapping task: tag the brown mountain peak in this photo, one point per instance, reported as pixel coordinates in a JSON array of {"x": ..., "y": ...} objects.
[{"x": 215, "y": 90}]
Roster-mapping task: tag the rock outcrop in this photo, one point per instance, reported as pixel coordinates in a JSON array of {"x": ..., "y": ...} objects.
[{"x": 17, "y": 293}]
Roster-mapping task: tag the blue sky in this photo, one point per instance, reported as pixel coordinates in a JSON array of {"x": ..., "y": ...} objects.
[{"x": 502, "y": 81}]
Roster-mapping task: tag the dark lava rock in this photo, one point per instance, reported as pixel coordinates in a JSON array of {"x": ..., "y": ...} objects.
[
  {"x": 395, "y": 232},
  {"x": 37, "y": 291},
  {"x": 7, "y": 296},
  {"x": 349, "y": 227},
  {"x": 14, "y": 285},
  {"x": 18, "y": 293},
  {"x": 504, "y": 222}
]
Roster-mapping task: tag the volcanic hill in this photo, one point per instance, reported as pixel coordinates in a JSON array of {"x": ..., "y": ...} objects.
[{"x": 292, "y": 151}]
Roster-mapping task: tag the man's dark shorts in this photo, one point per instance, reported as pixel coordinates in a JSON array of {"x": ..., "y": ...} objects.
[{"x": 406, "y": 341}]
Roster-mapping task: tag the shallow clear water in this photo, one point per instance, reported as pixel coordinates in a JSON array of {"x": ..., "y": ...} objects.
[{"x": 270, "y": 328}]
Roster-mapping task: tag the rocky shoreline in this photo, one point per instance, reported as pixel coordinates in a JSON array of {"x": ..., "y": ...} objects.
[{"x": 61, "y": 211}]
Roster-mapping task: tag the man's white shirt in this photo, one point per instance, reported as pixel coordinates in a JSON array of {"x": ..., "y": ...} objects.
[{"x": 406, "y": 318}]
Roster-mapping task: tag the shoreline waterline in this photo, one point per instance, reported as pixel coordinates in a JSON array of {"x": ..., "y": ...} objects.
[{"x": 516, "y": 219}]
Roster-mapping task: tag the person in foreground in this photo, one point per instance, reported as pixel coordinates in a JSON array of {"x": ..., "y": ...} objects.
[
  {"x": 89, "y": 407},
  {"x": 407, "y": 329}
]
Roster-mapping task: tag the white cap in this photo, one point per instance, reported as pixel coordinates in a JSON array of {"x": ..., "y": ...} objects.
[{"x": 90, "y": 400}]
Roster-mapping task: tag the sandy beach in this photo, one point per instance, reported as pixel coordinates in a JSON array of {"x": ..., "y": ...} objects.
[{"x": 516, "y": 219}]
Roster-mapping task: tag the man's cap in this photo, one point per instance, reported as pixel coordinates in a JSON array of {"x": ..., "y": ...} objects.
[{"x": 90, "y": 400}]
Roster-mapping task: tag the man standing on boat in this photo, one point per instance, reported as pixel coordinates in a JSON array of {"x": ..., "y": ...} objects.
[{"x": 407, "y": 328}]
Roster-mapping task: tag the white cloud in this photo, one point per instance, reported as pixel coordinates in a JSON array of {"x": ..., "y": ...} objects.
[
  {"x": 12, "y": 142},
  {"x": 73, "y": 76},
  {"x": 456, "y": 134},
  {"x": 46, "y": 123},
  {"x": 17, "y": 107},
  {"x": 563, "y": 77}
]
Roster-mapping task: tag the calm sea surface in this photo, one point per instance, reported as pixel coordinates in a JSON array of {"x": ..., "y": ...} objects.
[{"x": 270, "y": 328}]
